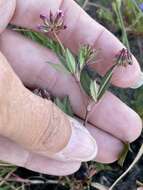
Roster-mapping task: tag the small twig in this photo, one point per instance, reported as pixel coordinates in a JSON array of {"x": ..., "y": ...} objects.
[
  {"x": 59, "y": 41},
  {"x": 96, "y": 5},
  {"x": 85, "y": 4}
]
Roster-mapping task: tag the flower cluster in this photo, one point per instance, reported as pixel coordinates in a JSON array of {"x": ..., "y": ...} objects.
[
  {"x": 52, "y": 23},
  {"x": 124, "y": 58},
  {"x": 88, "y": 53}
]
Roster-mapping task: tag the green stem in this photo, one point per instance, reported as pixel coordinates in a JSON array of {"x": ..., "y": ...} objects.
[
  {"x": 125, "y": 37},
  {"x": 59, "y": 41},
  {"x": 137, "y": 6}
]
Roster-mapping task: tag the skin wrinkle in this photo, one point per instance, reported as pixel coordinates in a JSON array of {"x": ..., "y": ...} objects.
[
  {"x": 34, "y": 107},
  {"x": 49, "y": 132},
  {"x": 46, "y": 141}
]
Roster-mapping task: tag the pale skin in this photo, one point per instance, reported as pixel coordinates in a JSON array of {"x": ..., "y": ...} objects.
[{"x": 111, "y": 123}]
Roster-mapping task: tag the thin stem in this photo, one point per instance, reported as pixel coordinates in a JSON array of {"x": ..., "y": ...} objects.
[
  {"x": 125, "y": 37},
  {"x": 85, "y": 4},
  {"x": 86, "y": 118},
  {"x": 137, "y": 6},
  {"x": 140, "y": 153},
  {"x": 96, "y": 5},
  {"x": 80, "y": 87},
  {"x": 59, "y": 41}
]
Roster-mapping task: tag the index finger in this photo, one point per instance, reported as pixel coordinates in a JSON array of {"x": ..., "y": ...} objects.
[{"x": 82, "y": 29}]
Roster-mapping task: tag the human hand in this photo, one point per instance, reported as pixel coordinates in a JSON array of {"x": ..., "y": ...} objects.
[{"x": 115, "y": 121}]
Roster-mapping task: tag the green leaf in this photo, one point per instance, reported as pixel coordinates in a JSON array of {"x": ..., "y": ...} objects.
[
  {"x": 59, "y": 67},
  {"x": 64, "y": 105},
  {"x": 102, "y": 167},
  {"x": 105, "y": 82},
  {"x": 124, "y": 154},
  {"x": 94, "y": 90},
  {"x": 85, "y": 81},
  {"x": 70, "y": 60},
  {"x": 81, "y": 57}
]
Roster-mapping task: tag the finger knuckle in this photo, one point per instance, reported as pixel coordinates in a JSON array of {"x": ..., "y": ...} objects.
[{"x": 55, "y": 133}]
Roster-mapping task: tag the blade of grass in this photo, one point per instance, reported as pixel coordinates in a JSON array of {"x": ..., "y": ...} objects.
[
  {"x": 117, "y": 8},
  {"x": 140, "y": 153}
]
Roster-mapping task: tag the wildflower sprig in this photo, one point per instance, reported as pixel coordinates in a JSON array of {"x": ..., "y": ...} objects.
[
  {"x": 52, "y": 23},
  {"x": 76, "y": 64}
]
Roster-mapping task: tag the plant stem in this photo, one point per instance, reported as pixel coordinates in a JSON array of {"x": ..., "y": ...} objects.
[
  {"x": 85, "y": 4},
  {"x": 81, "y": 91},
  {"x": 140, "y": 153},
  {"x": 76, "y": 78},
  {"x": 137, "y": 6},
  {"x": 122, "y": 26},
  {"x": 59, "y": 41},
  {"x": 86, "y": 118}
]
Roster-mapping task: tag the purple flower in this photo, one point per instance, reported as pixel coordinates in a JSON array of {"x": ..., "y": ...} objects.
[
  {"x": 141, "y": 6},
  {"x": 43, "y": 17},
  {"x": 124, "y": 57},
  {"x": 52, "y": 23}
]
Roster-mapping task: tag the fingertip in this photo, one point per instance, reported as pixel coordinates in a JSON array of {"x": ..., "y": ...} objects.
[
  {"x": 135, "y": 128},
  {"x": 107, "y": 152},
  {"x": 126, "y": 77},
  {"x": 49, "y": 166},
  {"x": 110, "y": 46},
  {"x": 81, "y": 146}
]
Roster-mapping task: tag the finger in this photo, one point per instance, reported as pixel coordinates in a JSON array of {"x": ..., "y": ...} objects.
[
  {"x": 23, "y": 158},
  {"x": 124, "y": 124},
  {"x": 109, "y": 147},
  {"x": 108, "y": 152},
  {"x": 37, "y": 124},
  {"x": 81, "y": 30},
  {"x": 6, "y": 12}
]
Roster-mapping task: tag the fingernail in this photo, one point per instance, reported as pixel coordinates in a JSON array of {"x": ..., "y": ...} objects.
[
  {"x": 81, "y": 147},
  {"x": 139, "y": 82}
]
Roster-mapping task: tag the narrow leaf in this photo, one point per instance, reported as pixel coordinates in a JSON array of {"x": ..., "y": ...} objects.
[
  {"x": 85, "y": 81},
  {"x": 70, "y": 60},
  {"x": 64, "y": 105},
  {"x": 81, "y": 58},
  {"x": 94, "y": 90},
  {"x": 105, "y": 83},
  {"x": 102, "y": 167},
  {"x": 124, "y": 154},
  {"x": 67, "y": 104},
  {"x": 59, "y": 103},
  {"x": 63, "y": 61}
]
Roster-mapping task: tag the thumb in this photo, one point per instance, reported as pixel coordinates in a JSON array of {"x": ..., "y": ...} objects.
[{"x": 37, "y": 124}]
